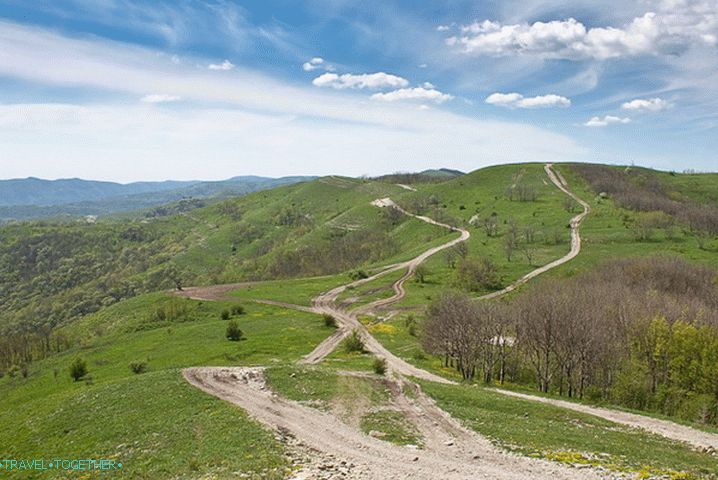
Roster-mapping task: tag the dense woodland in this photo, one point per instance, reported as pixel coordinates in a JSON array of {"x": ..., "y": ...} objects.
[{"x": 642, "y": 333}]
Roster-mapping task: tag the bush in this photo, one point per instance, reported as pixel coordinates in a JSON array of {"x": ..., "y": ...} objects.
[
  {"x": 329, "y": 320},
  {"x": 354, "y": 343},
  {"x": 379, "y": 366},
  {"x": 13, "y": 371},
  {"x": 78, "y": 369},
  {"x": 410, "y": 324},
  {"x": 237, "y": 310},
  {"x": 234, "y": 334},
  {"x": 138, "y": 367},
  {"x": 358, "y": 275},
  {"x": 225, "y": 314}
]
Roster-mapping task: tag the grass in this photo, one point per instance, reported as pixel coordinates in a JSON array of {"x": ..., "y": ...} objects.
[
  {"x": 392, "y": 426},
  {"x": 297, "y": 291},
  {"x": 362, "y": 398},
  {"x": 551, "y": 432},
  {"x": 155, "y": 423}
]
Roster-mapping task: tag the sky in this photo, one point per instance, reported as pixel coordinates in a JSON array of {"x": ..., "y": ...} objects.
[{"x": 125, "y": 90}]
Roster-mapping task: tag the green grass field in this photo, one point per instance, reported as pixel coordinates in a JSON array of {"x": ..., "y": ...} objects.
[{"x": 155, "y": 423}]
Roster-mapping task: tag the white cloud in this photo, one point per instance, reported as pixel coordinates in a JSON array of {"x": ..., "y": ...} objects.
[
  {"x": 313, "y": 64},
  {"x": 605, "y": 121},
  {"x": 516, "y": 100},
  {"x": 160, "y": 98},
  {"x": 417, "y": 93},
  {"x": 365, "y": 80},
  {"x": 442, "y": 28},
  {"x": 226, "y": 65},
  {"x": 646, "y": 105},
  {"x": 673, "y": 28},
  {"x": 290, "y": 129}
]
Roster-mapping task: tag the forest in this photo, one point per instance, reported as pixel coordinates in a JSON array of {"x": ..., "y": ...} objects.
[{"x": 642, "y": 333}]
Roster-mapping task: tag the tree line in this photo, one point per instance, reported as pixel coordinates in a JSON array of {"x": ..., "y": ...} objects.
[
  {"x": 642, "y": 333},
  {"x": 643, "y": 191}
]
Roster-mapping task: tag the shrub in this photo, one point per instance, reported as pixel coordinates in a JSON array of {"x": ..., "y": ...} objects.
[
  {"x": 329, "y": 320},
  {"x": 354, "y": 343},
  {"x": 379, "y": 366},
  {"x": 138, "y": 367},
  {"x": 225, "y": 314},
  {"x": 234, "y": 334},
  {"x": 358, "y": 275},
  {"x": 13, "y": 371},
  {"x": 237, "y": 310},
  {"x": 78, "y": 369}
]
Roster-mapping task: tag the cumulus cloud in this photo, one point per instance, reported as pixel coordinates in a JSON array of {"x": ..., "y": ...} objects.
[
  {"x": 417, "y": 93},
  {"x": 516, "y": 100},
  {"x": 226, "y": 65},
  {"x": 605, "y": 121},
  {"x": 266, "y": 118},
  {"x": 313, "y": 64},
  {"x": 364, "y": 80},
  {"x": 159, "y": 98},
  {"x": 646, "y": 105},
  {"x": 674, "y": 27}
]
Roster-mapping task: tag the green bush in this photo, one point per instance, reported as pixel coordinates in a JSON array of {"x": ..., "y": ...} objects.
[
  {"x": 358, "y": 275},
  {"x": 379, "y": 366},
  {"x": 138, "y": 367},
  {"x": 78, "y": 369},
  {"x": 234, "y": 334},
  {"x": 354, "y": 343},
  {"x": 13, "y": 371},
  {"x": 225, "y": 314},
  {"x": 329, "y": 320},
  {"x": 237, "y": 310}
]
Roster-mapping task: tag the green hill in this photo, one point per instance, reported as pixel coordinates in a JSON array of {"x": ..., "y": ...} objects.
[{"x": 95, "y": 291}]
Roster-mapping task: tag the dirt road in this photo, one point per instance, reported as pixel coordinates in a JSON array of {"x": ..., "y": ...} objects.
[
  {"x": 575, "y": 224},
  {"x": 454, "y": 454},
  {"x": 682, "y": 433}
]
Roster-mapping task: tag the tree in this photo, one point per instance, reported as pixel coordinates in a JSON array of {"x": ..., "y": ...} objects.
[
  {"x": 477, "y": 274},
  {"x": 234, "y": 334},
  {"x": 457, "y": 329},
  {"x": 491, "y": 224},
  {"x": 78, "y": 369},
  {"x": 420, "y": 273}
]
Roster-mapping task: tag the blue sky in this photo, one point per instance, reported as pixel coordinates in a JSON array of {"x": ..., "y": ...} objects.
[{"x": 127, "y": 90}]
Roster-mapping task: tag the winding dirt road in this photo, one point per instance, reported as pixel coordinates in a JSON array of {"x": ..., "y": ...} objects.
[
  {"x": 452, "y": 451},
  {"x": 558, "y": 180}
]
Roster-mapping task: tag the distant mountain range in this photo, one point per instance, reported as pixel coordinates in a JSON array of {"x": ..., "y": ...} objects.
[{"x": 33, "y": 198}]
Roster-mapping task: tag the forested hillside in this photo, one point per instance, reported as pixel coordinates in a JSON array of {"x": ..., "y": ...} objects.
[{"x": 53, "y": 273}]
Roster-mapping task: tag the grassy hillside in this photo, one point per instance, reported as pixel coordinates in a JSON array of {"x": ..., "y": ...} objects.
[
  {"x": 155, "y": 423},
  {"x": 91, "y": 282},
  {"x": 53, "y": 273}
]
